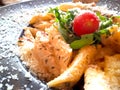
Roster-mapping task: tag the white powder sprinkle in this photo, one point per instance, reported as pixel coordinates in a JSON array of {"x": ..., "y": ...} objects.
[
  {"x": 25, "y": 85},
  {"x": 27, "y": 75},
  {"x": 55, "y": 0},
  {"x": 2, "y": 68},
  {"x": 9, "y": 87},
  {"x": 9, "y": 77},
  {"x": 3, "y": 79},
  {"x": 8, "y": 80},
  {"x": 15, "y": 76},
  {"x": 31, "y": 86},
  {"x": 1, "y": 85},
  {"x": 20, "y": 70},
  {"x": 0, "y": 57},
  {"x": 14, "y": 68}
]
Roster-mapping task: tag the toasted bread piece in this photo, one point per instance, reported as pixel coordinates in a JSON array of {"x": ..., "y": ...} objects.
[
  {"x": 95, "y": 79},
  {"x": 112, "y": 70},
  {"x": 105, "y": 78}
]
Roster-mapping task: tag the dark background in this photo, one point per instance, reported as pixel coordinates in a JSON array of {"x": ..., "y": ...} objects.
[{"x": 13, "y": 18}]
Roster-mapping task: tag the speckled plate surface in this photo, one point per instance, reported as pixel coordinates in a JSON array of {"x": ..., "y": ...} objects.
[{"x": 13, "y": 18}]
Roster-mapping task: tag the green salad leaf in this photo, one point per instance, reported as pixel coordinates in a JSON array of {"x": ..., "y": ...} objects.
[
  {"x": 85, "y": 40},
  {"x": 64, "y": 22},
  {"x": 105, "y": 21}
]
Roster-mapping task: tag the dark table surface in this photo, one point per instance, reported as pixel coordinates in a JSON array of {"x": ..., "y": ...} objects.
[{"x": 13, "y": 19}]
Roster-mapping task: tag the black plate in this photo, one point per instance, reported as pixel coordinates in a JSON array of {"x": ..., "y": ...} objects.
[{"x": 13, "y": 18}]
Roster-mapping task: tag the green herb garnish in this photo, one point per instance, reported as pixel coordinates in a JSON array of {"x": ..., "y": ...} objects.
[{"x": 64, "y": 21}]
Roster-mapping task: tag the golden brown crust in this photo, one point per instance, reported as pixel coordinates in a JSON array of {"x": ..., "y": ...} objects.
[
  {"x": 47, "y": 55},
  {"x": 73, "y": 74}
]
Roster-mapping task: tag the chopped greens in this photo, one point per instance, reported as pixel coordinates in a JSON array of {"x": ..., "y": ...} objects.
[
  {"x": 64, "y": 21},
  {"x": 68, "y": 36},
  {"x": 105, "y": 22},
  {"x": 64, "y": 18},
  {"x": 85, "y": 40},
  {"x": 89, "y": 39}
]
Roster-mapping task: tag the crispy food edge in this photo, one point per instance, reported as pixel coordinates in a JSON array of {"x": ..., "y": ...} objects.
[{"x": 73, "y": 74}]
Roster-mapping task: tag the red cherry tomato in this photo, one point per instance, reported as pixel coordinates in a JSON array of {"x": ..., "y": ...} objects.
[{"x": 85, "y": 23}]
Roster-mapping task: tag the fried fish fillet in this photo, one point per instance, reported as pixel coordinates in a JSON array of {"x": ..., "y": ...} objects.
[
  {"x": 45, "y": 52},
  {"x": 73, "y": 74}
]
